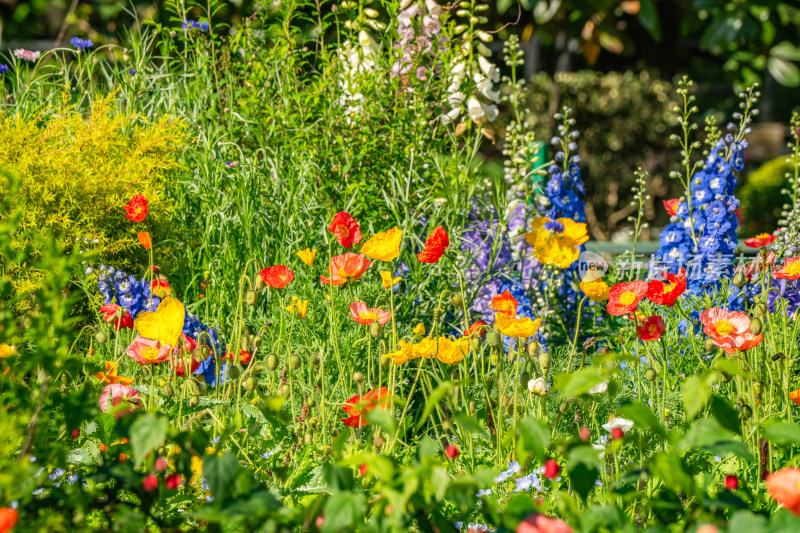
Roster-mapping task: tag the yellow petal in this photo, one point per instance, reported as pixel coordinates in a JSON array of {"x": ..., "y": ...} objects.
[
  {"x": 383, "y": 246},
  {"x": 165, "y": 324}
]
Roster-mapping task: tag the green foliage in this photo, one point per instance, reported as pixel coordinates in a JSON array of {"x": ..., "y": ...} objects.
[{"x": 763, "y": 196}]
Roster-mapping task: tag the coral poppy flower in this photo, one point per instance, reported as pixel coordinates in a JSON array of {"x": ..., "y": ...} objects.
[
  {"x": 597, "y": 290},
  {"x": 665, "y": 293},
  {"x": 298, "y": 306},
  {"x": 795, "y": 396},
  {"x": 110, "y": 375},
  {"x": 244, "y": 357},
  {"x": 789, "y": 270},
  {"x": 624, "y": 298},
  {"x": 362, "y": 315},
  {"x": 136, "y": 210},
  {"x": 383, "y": 246},
  {"x": 189, "y": 344},
  {"x": 358, "y": 406},
  {"x": 672, "y": 206},
  {"x": 345, "y": 268},
  {"x": 8, "y": 517},
  {"x": 539, "y": 523},
  {"x": 178, "y": 362},
  {"x": 435, "y": 245},
  {"x": 144, "y": 239},
  {"x": 761, "y": 262},
  {"x": 729, "y": 330},
  {"x": 556, "y": 242},
  {"x": 118, "y": 393},
  {"x": 345, "y": 228},
  {"x": 516, "y": 327},
  {"x": 651, "y": 329},
  {"x": 160, "y": 288},
  {"x": 113, "y": 315},
  {"x": 784, "y": 487},
  {"x": 277, "y": 276},
  {"x": 147, "y": 351},
  {"x": 476, "y": 330},
  {"x": 505, "y": 304},
  {"x": 760, "y": 240},
  {"x": 307, "y": 256},
  {"x": 388, "y": 281}
]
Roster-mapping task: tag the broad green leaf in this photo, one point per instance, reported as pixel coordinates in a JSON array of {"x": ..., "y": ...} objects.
[
  {"x": 726, "y": 415},
  {"x": 220, "y": 472},
  {"x": 786, "y": 50},
  {"x": 643, "y": 416},
  {"x": 696, "y": 391},
  {"x": 147, "y": 433},
  {"x": 782, "y": 432},
  {"x": 384, "y": 419},
  {"x": 785, "y": 72},
  {"x": 667, "y": 468},
  {"x": 534, "y": 436},
  {"x": 648, "y": 16},
  {"x": 574, "y": 384},
  {"x": 583, "y": 468},
  {"x": 747, "y": 521},
  {"x": 344, "y": 511}
]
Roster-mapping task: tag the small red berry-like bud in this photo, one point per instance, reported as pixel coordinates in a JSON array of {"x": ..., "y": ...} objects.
[
  {"x": 173, "y": 481},
  {"x": 102, "y": 447},
  {"x": 150, "y": 483},
  {"x": 123, "y": 457},
  {"x": 320, "y": 521},
  {"x": 161, "y": 464},
  {"x": 451, "y": 451},
  {"x": 617, "y": 433},
  {"x": 585, "y": 433},
  {"x": 76, "y": 433},
  {"x": 362, "y": 470},
  {"x": 551, "y": 469},
  {"x": 731, "y": 482}
]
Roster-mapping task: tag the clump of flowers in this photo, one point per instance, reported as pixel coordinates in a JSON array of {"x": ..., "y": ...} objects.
[
  {"x": 81, "y": 44},
  {"x": 27, "y": 55},
  {"x": 195, "y": 25}
]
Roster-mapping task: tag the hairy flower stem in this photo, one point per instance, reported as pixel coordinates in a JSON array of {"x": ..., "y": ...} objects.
[
  {"x": 575, "y": 337},
  {"x": 405, "y": 409}
]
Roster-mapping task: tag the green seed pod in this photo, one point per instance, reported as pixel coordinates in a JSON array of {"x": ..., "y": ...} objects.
[
  {"x": 747, "y": 412},
  {"x": 245, "y": 343},
  {"x": 101, "y": 337},
  {"x": 475, "y": 343},
  {"x": 234, "y": 372},
  {"x": 758, "y": 387},
  {"x": 194, "y": 386},
  {"x": 709, "y": 345},
  {"x": 650, "y": 374},
  {"x": 311, "y": 402},
  {"x": 284, "y": 391},
  {"x": 251, "y": 297},
  {"x": 334, "y": 432},
  {"x": 205, "y": 351},
  {"x": 259, "y": 368},
  {"x": 307, "y": 438},
  {"x": 194, "y": 401},
  {"x": 358, "y": 377},
  {"x": 725, "y": 377},
  {"x": 295, "y": 362},
  {"x": 756, "y": 326},
  {"x": 375, "y": 329},
  {"x": 260, "y": 283},
  {"x": 533, "y": 349},
  {"x": 494, "y": 340},
  {"x": 378, "y": 442},
  {"x": 202, "y": 388},
  {"x": 739, "y": 280},
  {"x": 167, "y": 390},
  {"x": 544, "y": 362},
  {"x": 256, "y": 341},
  {"x": 272, "y": 362},
  {"x": 509, "y": 409},
  {"x": 524, "y": 378},
  {"x": 762, "y": 309},
  {"x": 250, "y": 383},
  {"x": 493, "y": 359},
  {"x": 457, "y": 300},
  {"x": 563, "y": 408}
]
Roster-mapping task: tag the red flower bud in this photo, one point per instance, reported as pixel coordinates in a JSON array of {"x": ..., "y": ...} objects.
[
  {"x": 617, "y": 433},
  {"x": 551, "y": 469},
  {"x": 362, "y": 470},
  {"x": 173, "y": 481},
  {"x": 585, "y": 433},
  {"x": 161, "y": 464},
  {"x": 150, "y": 483},
  {"x": 76, "y": 433},
  {"x": 731, "y": 482},
  {"x": 451, "y": 451}
]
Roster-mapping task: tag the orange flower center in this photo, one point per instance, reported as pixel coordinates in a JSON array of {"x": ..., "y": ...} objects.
[
  {"x": 793, "y": 269},
  {"x": 627, "y": 298},
  {"x": 653, "y": 329},
  {"x": 368, "y": 315},
  {"x": 723, "y": 327},
  {"x": 150, "y": 353},
  {"x": 344, "y": 231},
  {"x": 763, "y": 236}
]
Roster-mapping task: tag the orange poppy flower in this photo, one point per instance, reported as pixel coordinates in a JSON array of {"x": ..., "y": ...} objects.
[
  {"x": 662, "y": 293},
  {"x": 346, "y": 267},
  {"x": 729, "y": 330},
  {"x": 244, "y": 357},
  {"x": 435, "y": 246},
  {"x": 476, "y": 329},
  {"x": 672, "y": 206},
  {"x": 8, "y": 517},
  {"x": 795, "y": 396},
  {"x": 358, "y": 406},
  {"x": 346, "y": 229},
  {"x": 110, "y": 375},
  {"x": 505, "y": 304},
  {"x": 144, "y": 239},
  {"x": 277, "y": 276},
  {"x": 790, "y": 269},
  {"x": 136, "y": 210},
  {"x": 760, "y": 240},
  {"x": 651, "y": 329},
  {"x": 118, "y": 316},
  {"x": 784, "y": 487},
  {"x": 362, "y": 315},
  {"x": 624, "y": 298}
]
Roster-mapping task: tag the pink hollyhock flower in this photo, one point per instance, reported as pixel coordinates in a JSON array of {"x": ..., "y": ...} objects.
[
  {"x": 147, "y": 351},
  {"x": 117, "y": 394},
  {"x": 539, "y": 523},
  {"x": 111, "y": 315},
  {"x": 362, "y": 315}
]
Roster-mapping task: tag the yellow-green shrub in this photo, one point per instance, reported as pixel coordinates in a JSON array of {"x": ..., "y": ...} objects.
[{"x": 77, "y": 172}]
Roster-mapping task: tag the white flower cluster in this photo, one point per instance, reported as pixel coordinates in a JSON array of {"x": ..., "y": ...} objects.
[
  {"x": 412, "y": 46},
  {"x": 27, "y": 55},
  {"x": 481, "y": 103},
  {"x": 356, "y": 60}
]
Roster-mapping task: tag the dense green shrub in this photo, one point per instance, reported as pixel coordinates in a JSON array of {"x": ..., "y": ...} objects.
[{"x": 763, "y": 196}]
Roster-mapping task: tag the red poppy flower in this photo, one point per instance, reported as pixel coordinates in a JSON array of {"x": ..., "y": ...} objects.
[
  {"x": 144, "y": 240},
  {"x": 346, "y": 267},
  {"x": 346, "y": 229},
  {"x": 624, "y": 298},
  {"x": 672, "y": 206},
  {"x": 136, "y": 210},
  {"x": 790, "y": 269},
  {"x": 451, "y": 451},
  {"x": 505, "y": 305},
  {"x": 244, "y": 356},
  {"x": 476, "y": 329},
  {"x": 651, "y": 329},
  {"x": 277, "y": 276},
  {"x": 8, "y": 517},
  {"x": 160, "y": 288},
  {"x": 358, "y": 406},
  {"x": 178, "y": 365},
  {"x": 662, "y": 293},
  {"x": 111, "y": 315},
  {"x": 551, "y": 469},
  {"x": 761, "y": 240},
  {"x": 435, "y": 246}
]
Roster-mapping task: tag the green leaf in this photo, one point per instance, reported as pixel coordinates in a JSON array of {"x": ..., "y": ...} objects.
[
  {"x": 668, "y": 468},
  {"x": 643, "y": 416},
  {"x": 785, "y": 72},
  {"x": 147, "y": 433},
  {"x": 726, "y": 415},
  {"x": 782, "y": 432},
  {"x": 220, "y": 472},
  {"x": 343, "y": 511},
  {"x": 648, "y": 16},
  {"x": 747, "y": 521},
  {"x": 709, "y": 435},
  {"x": 696, "y": 391},
  {"x": 433, "y": 399},
  {"x": 383, "y": 418},
  {"x": 574, "y": 384},
  {"x": 786, "y": 50},
  {"x": 583, "y": 467},
  {"x": 534, "y": 436}
]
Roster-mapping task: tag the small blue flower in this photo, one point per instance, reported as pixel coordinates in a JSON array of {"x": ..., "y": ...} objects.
[
  {"x": 531, "y": 481},
  {"x": 482, "y": 493},
  {"x": 132, "y": 71},
  {"x": 57, "y": 473},
  {"x": 3, "y": 68},
  {"x": 81, "y": 44}
]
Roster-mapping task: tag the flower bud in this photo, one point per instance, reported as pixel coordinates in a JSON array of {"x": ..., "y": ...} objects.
[
  {"x": 256, "y": 342},
  {"x": 234, "y": 372},
  {"x": 533, "y": 349},
  {"x": 544, "y": 362},
  {"x": 194, "y": 401},
  {"x": 650, "y": 374},
  {"x": 375, "y": 329},
  {"x": 756, "y": 326},
  {"x": 358, "y": 377},
  {"x": 260, "y": 283},
  {"x": 272, "y": 362},
  {"x": 739, "y": 280},
  {"x": 101, "y": 337},
  {"x": 251, "y": 297},
  {"x": 168, "y": 391},
  {"x": 762, "y": 309},
  {"x": 777, "y": 356},
  {"x": 457, "y": 300},
  {"x": 494, "y": 340},
  {"x": 747, "y": 412},
  {"x": 294, "y": 362},
  {"x": 709, "y": 345},
  {"x": 725, "y": 377},
  {"x": 250, "y": 383},
  {"x": 244, "y": 343},
  {"x": 538, "y": 386}
]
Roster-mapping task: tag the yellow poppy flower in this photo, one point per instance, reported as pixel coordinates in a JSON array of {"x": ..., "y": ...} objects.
[
  {"x": 555, "y": 242},
  {"x": 404, "y": 352},
  {"x": 165, "y": 324},
  {"x": 7, "y": 350},
  {"x": 298, "y": 306},
  {"x": 596, "y": 290},
  {"x": 451, "y": 352},
  {"x": 307, "y": 256},
  {"x": 516, "y": 327},
  {"x": 419, "y": 329},
  {"x": 388, "y": 281},
  {"x": 383, "y": 246}
]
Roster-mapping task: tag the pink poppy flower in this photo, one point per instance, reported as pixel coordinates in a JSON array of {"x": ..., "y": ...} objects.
[
  {"x": 539, "y": 523},
  {"x": 147, "y": 351},
  {"x": 729, "y": 330},
  {"x": 117, "y": 394},
  {"x": 362, "y": 315},
  {"x": 189, "y": 345}
]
